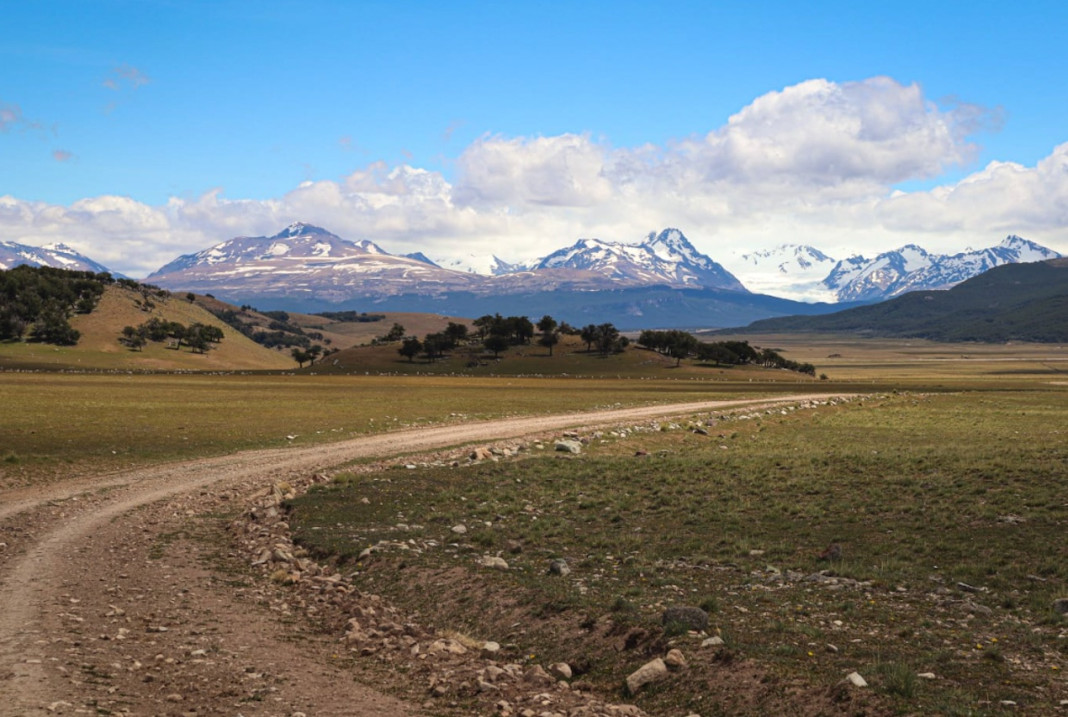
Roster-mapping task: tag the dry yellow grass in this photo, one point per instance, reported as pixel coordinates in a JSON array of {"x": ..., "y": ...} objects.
[
  {"x": 345, "y": 334},
  {"x": 914, "y": 362},
  {"x": 99, "y": 347}
]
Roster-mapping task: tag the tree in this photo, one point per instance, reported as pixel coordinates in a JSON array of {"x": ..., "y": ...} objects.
[
  {"x": 51, "y": 327},
  {"x": 134, "y": 337},
  {"x": 681, "y": 345},
  {"x": 495, "y": 343},
  {"x": 410, "y": 348},
  {"x": 456, "y": 333},
  {"x": 435, "y": 345},
  {"x": 607, "y": 338},
  {"x": 396, "y": 333},
  {"x": 521, "y": 329},
  {"x": 549, "y": 339},
  {"x": 588, "y": 333},
  {"x": 547, "y": 323},
  {"x": 300, "y": 356}
]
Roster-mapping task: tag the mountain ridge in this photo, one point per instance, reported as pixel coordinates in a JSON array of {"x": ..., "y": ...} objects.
[
  {"x": 1010, "y": 302},
  {"x": 57, "y": 255}
]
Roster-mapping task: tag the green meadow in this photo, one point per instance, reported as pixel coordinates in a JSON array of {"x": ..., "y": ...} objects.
[{"x": 943, "y": 485}]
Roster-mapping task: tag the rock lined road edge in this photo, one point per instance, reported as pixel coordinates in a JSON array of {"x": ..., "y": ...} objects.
[{"x": 32, "y": 576}]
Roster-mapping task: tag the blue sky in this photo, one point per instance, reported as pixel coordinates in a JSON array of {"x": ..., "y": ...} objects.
[{"x": 139, "y": 130}]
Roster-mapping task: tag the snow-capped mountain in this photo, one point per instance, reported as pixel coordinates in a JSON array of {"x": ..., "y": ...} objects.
[
  {"x": 304, "y": 261},
  {"x": 792, "y": 270},
  {"x": 491, "y": 265},
  {"x": 911, "y": 268},
  {"x": 304, "y": 264},
  {"x": 667, "y": 258},
  {"x": 59, "y": 256}
]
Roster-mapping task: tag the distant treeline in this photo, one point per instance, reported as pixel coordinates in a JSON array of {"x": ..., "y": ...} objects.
[
  {"x": 198, "y": 337},
  {"x": 280, "y": 332},
  {"x": 363, "y": 318},
  {"x": 680, "y": 344},
  {"x": 36, "y": 302}
]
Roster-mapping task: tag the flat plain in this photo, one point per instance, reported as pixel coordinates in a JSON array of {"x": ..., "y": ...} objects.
[{"x": 941, "y": 481}]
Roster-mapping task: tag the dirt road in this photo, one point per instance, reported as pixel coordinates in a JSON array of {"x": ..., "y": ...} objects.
[{"x": 115, "y": 599}]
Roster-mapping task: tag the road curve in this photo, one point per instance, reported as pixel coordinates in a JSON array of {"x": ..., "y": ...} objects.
[{"x": 35, "y": 572}]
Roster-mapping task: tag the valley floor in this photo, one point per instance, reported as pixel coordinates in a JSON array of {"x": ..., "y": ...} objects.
[{"x": 128, "y": 593}]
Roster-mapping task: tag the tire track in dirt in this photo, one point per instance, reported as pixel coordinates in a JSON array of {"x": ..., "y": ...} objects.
[{"x": 32, "y": 579}]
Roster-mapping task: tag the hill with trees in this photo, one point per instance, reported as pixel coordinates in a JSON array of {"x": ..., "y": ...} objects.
[{"x": 1014, "y": 302}]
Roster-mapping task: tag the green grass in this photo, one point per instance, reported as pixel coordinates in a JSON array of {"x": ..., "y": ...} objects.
[
  {"x": 57, "y": 425},
  {"x": 921, "y": 492}
]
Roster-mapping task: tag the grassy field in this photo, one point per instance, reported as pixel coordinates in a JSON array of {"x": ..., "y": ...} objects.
[
  {"x": 920, "y": 364},
  {"x": 950, "y": 512},
  {"x": 945, "y": 491},
  {"x": 56, "y": 425}
]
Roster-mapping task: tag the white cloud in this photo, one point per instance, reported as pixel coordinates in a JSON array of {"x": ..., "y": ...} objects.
[{"x": 813, "y": 163}]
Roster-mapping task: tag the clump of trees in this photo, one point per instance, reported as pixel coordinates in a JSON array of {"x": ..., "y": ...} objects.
[
  {"x": 680, "y": 344},
  {"x": 38, "y": 302},
  {"x": 433, "y": 345},
  {"x": 604, "y": 337},
  {"x": 200, "y": 338},
  {"x": 280, "y": 333},
  {"x": 395, "y": 333}
]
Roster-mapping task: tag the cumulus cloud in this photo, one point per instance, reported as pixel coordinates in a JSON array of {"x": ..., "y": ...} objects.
[
  {"x": 564, "y": 171},
  {"x": 813, "y": 163}
]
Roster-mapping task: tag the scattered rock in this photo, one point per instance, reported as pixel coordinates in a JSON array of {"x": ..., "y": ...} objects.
[
  {"x": 492, "y": 561},
  {"x": 490, "y": 650},
  {"x": 690, "y": 618},
  {"x": 569, "y": 445},
  {"x": 714, "y": 641},
  {"x": 536, "y": 675},
  {"x": 559, "y": 567},
  {"x": 514, "y": 547},
  {"x": 832, "y": 553},
  {"x": 856, "y": 680},
  {"x": 1060, "y": 606},
  {"x": 560, "y": 670},
  {"x": 459, "y": 529},
  {"x": 649, "y": 672},
  {"x": 926, "y": 676},
  {"x": 675, "y": 660}
]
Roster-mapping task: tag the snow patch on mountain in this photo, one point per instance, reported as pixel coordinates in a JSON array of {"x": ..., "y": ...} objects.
[
  {"x": 667, "y": 258},
  {"x": 911, "y": 268},
  {"x": 794, "y": 271},
  {"x": 56, "y": 255},
  {"x": 491, "y": 265}
]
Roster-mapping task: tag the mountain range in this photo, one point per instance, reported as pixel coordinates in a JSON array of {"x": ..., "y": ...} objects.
[
  {"x": 1012, "y": 302},
  {"x": 308, "y": 262},
  {"x": 305, "y": 267}
]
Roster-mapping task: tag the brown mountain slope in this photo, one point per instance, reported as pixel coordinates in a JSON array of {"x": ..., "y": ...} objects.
[{"x": 99, "y": 347}]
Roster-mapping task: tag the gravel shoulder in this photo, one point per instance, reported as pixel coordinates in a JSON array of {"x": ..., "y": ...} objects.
[{"x": 115, "y": 595}]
